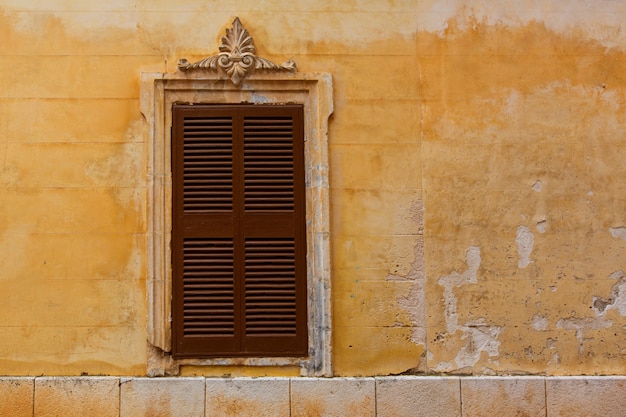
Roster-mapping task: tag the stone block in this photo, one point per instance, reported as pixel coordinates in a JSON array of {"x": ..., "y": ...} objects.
[
  {"x": 375, "y": 252},
  {"x": 94, "y": 120},
  {"x": 357, "y": 71},
  {"x": 77, "y": 396},
  {"x": 69, "y": 31},
  {"x": 253, "y": 397},
  {"x": 69, "y": 256},
  {"x": 119, "y": 164},
  {"x": 107, "y": 350},
  {"x": 162, "y": 397},
  {"x": 336, "y": 397},
  {"x": 73, "y": 210},
  {"x": 50, "y": 76},
  {"x": 505, "y": 396},
  {"x": 379, "y": 350},
  {"x": 362, "y": 209},
  {"x": 377, "y": 166},
  {"x": 362, "y": 302},
  {"x": 16, "y": 396},
  {"x": 89, "y": 305},
  {"x": 418, "y": 396},
  {"x": 586, "y": 396},
  {"x": 359, "y": 123}
]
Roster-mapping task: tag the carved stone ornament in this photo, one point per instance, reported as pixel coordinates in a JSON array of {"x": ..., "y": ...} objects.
[{"x": 237, "y": 57}]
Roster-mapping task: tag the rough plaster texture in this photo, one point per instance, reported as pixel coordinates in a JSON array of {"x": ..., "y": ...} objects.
[
  {"x": 262, "y": 397},
  {"x": 77, "y": 396},
  {"x": 483, "y": 172},
  {"x": 417, "y": 397},
  {"x": 16, "y": 396},
  {"x": 503, "y": 120},
  {"x": 336, "y": 397},
  {"x": 162, "y": 397}
]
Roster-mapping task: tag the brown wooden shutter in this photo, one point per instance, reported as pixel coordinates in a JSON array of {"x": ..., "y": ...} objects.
[{"x": 238, "y": 238}]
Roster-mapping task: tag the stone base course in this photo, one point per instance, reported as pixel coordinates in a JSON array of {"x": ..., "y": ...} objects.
[
  {"x": 262, "y": 397},
  {"x": 16, "y": 396},
  {"x": 417, "y": 397},
  {"x": 82, "y": 396},
  {"x": 333, "y": 397},
  {"x": 180, "y": 397},
  {"x": 404, "y": 396}
]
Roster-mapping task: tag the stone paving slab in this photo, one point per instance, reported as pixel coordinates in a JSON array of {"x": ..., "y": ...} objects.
[
  {"x": 77, "y": 396},
  {"x": 418, "y": 396},
  {"x": 162, "y": 397},
  {"x": 247, "y": 397},
  {"x": 503, "y": 396},
  {"x": 16, "y": 396},
  {"x": 333, "y": 397},
  {"x": 586, "y": 396}
]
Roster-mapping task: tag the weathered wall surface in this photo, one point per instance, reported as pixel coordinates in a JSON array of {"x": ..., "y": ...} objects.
[
  {"x": 476, "y": 154},
  {"x": 523, "y": 128}
]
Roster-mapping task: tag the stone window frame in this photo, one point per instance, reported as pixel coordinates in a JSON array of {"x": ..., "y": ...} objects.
[{"x": 158, "y": 91}]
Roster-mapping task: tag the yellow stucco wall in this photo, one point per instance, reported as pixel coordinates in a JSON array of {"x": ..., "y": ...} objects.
[{"x": 477, "y": 158}]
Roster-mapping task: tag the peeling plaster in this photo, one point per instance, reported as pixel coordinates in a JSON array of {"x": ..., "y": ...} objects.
[
  {"x": 618, "y": 232},
  {"x": 605, "y": 27},
  {"x": 600, "y": 305},
  {"x": 617, "y": 299},
  {"x": 479, "y": 336},
  {"x": 414, "y": 302},
  {"x": 537, "y": 186},
  {"x": 455, "y": 279},
  {"x": 541, "y": 226},
  {"x": 525, "y": 241},
  {"x": 540, "y": 322},
  {"x": 581, "y": 325},
  {"x": 444, "y": 367}
]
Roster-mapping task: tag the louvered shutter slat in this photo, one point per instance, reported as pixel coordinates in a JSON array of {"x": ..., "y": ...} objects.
[
  {"x": 268, "y": 160},
  {"x": 275, "y": 276},
  {"x": 207, "y": 161},
  {"x": 270, "y": 297},
  {"x": 203, "y": 246}
]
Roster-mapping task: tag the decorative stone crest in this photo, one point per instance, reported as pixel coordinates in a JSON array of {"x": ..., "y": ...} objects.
[{"x": 237, "y": 57}]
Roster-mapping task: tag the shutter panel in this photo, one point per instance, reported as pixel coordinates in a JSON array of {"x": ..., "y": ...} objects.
[
  {"x": 238, "y": 244},
  {"x": 275, "y": 249},
  {"x": 204, "y": 298}
]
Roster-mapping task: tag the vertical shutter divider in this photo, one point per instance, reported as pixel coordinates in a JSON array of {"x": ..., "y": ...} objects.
[{"x": 238, "y": 209}]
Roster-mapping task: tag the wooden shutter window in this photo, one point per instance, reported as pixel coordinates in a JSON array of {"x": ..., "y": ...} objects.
[{"x": 238, "y": 238}]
